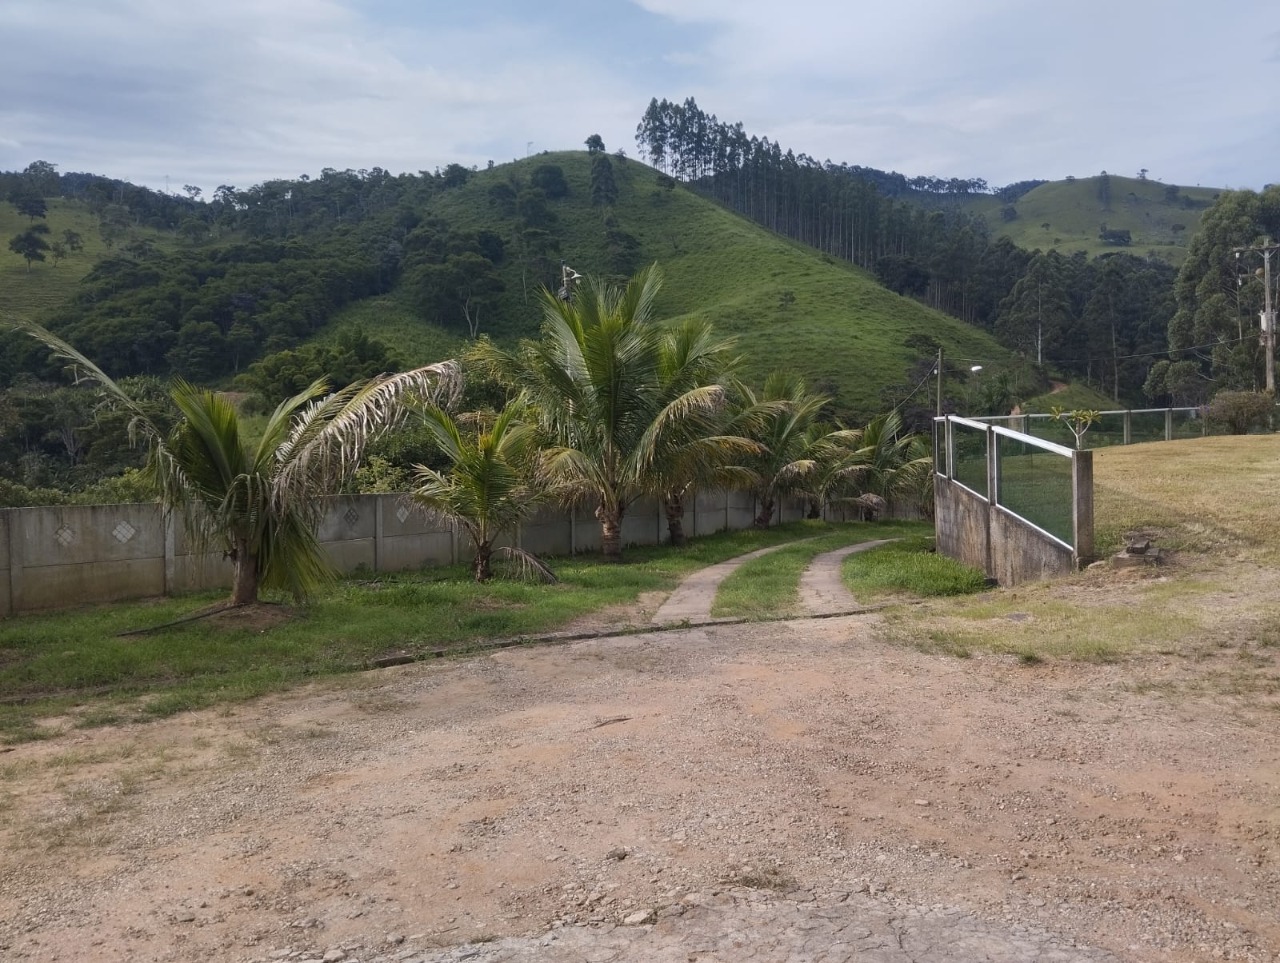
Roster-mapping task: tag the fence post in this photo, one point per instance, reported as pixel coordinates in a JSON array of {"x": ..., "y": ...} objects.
[
  {"x": 1082, "y": 506},
  {"x": 993, "y": 466},
  {"x": 1128, "y": 427},
  {"x": 170, "y": 552},
  {"x": 1168, "y": 424}
]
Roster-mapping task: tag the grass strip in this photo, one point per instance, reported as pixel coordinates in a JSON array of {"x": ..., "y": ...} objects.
[{"x": 908, "y": 567}]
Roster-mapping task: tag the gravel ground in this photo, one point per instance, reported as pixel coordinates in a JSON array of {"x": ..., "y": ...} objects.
[{"x": 682, "y": 795}]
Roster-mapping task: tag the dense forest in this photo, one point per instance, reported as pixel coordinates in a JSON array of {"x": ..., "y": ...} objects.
[{"x": 1101, "y": 321}]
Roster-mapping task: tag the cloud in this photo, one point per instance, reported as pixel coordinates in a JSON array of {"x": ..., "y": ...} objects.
[
  {"x": 271, "y": 90},
  {"x": 245, "y": 91}
]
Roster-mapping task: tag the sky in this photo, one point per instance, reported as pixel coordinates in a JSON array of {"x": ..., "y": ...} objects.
[{"x": 173, "y": 92}]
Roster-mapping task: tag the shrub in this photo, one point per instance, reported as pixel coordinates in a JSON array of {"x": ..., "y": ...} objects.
[{"x": 1238, "y": 411}]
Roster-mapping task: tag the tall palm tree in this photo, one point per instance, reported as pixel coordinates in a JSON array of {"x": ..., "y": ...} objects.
[
  {"x": 259, "y": 502},
  {"x": 594, "y": 381},
  {"x": 486, "y": 489}
]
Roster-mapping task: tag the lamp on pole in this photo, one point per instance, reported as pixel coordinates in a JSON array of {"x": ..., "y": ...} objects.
[
  {"x": 973, "y": 369},
  {"x": 568, "y": 277}
]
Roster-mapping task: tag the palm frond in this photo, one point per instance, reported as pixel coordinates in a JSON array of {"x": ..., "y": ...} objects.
[
  {"x": 526, "y": 565},
  {"x": 85, "y": 370},
  {"x": 327, "y": 443}
]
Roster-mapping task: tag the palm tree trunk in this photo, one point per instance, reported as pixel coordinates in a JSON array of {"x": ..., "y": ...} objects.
[
  {"x": 610, "y": 533},
  {"x": 245, "y": 575},
  {"x": 480, "y": 567},
  {"x": 765, "y": 515},
  {"x": 675, "y": 519}
]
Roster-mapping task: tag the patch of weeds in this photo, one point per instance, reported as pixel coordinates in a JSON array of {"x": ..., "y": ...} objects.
[
  {"x": 171, "y": 703},
  {"x": 24, "y": 731},
  {"x": 949, "y": 643},
  {"x": 240, "y": 751},
  {"x": 97, "y": 716},
  {"x": 763, "y": 876}
]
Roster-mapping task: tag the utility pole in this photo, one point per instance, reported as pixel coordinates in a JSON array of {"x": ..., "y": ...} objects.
[{"x": 1266, "y": 248}]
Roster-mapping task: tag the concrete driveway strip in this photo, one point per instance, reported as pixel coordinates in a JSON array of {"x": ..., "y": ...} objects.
[
  {"x": 822, "y": 591},
  {"x": 693, "y": 598}
]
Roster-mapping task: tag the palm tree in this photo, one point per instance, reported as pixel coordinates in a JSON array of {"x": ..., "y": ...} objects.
[
  {"x": 259, "y": 502},
  {"x": 781, "y": 419},
  {"x": 594, "y": 381},
  {"x": 886, "y": 464},
  {"x": 698, "y": 450},
  {"x": 486, "y": 489}
]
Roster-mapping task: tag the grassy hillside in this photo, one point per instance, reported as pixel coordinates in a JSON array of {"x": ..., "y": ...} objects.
[
  {"x": 45, "y": 286},
  {"x": 1067, "y": 215},
  {"x": 28, "y": 294},
  {"x": 1070, "y": 398},
  {"x": 789, "y": 306}
]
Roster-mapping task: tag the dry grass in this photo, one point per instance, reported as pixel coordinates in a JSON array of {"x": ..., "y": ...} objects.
[
  {"x": 1208, "y": 504},
  {"x": 1207, "y": 496}
]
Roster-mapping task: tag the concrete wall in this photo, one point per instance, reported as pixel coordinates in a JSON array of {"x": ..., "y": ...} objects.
[
  {"x": 979, "y": 531},
  {"x": 57, "y": 557},
  {"x": 993, "y": 539}
]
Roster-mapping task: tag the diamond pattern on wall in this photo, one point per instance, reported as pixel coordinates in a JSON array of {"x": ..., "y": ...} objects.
[
  {"x": 351, "y": 516},
  {"x": 123, "y": 532},
  {"x": 64, "y": 535},
  {"x": 402, "y": 513}
]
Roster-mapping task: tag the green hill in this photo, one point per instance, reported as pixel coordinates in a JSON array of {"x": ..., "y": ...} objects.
[
  {"x": 1068, "y": 215},
  {"x": 789, "y": 306},
  {"x": 46, "y": 285}
]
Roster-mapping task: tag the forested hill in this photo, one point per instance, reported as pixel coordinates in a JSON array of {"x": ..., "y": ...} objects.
[
  {"x": 930, "y": 238},
  {"x": 253, "y": 287}
]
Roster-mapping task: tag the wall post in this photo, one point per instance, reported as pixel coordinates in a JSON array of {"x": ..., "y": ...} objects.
[{"x": 1082, "y": 506}]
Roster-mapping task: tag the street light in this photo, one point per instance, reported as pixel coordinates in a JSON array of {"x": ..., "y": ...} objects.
[
  {"x": 568, "y": 277},
  {"x": 974, "y": 369}
]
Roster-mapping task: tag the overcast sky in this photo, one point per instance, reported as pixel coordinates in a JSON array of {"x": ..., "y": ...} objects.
[{"x": 241, "y": 91}]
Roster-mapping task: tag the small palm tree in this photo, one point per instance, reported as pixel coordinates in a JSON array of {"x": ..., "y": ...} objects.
[
  {"x": 594, "y": 381},
  {"x": 781, "y": 419},
  {"x": 698, "y": 449},
  {"x": 886, "y": 464},
  {"x": 259, "y": 502},
  {"x": 486, "y": 489}
]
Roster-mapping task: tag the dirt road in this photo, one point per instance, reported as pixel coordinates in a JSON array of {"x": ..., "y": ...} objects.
[{"x": 673, "y": 795}]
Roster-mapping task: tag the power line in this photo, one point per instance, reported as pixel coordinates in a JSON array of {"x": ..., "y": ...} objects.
[
  {"x": 1127, "y": 357},
  {"x": 914, "y": 391}
]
